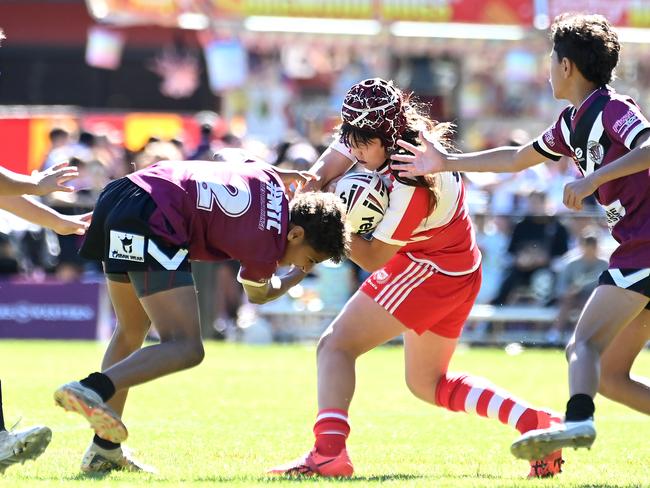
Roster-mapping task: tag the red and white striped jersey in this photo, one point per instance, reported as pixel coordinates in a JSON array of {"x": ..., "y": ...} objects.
[{"x": 444, "y": 237}]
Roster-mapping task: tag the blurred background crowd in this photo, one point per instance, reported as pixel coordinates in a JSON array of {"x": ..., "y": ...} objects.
[{"x": 116, "y": 86}]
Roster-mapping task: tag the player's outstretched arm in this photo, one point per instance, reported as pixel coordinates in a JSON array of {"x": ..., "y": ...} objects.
[
  {"x": 637, "y": 160},
  {"x": 327, "y": 169},
  {"x": 430, "y": 157},
  {"x": 45, "y": 216},
  {"x": 275, "y": 287},
  {"x": 39, "y": 183}
]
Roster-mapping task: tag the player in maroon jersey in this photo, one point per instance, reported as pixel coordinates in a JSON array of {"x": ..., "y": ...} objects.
[
  {"x": 146, "y": 228},
  {"x": 426, "y": 273},
  {"x": 609, "y": 140}
]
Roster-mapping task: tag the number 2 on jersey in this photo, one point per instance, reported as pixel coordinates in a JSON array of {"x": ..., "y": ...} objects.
[{"x": 234, "y": 199}]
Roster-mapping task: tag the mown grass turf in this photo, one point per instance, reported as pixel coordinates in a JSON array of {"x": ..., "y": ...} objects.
[{"x": 247, "y": 408}]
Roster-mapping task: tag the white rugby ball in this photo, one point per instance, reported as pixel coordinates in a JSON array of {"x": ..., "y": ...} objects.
[{"x": 365, "y": 198}]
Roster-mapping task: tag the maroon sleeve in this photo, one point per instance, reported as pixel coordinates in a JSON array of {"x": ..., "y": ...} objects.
[
  {"x": 624, "y": 121},
  {"x": 552, "y": 144}
]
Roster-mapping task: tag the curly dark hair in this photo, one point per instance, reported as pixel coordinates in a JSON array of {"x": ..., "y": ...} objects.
[
  {"x": 589, "y": 42},
  {"x": 322, "y": 216}
]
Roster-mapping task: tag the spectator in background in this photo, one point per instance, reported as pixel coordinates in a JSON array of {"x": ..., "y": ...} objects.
[
  {"x": 157, "y": 151},
  {"x": 59, "y": 140},
  {"x": 492, "y": 236},
  {"x": 536, "y": 240},
  {"x": 576, "y": 281}
]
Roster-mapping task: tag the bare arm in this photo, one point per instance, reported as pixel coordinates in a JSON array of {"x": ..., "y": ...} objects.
[
  {"x": 36, "y": 212},
  {"x": 371, "y": 254},
  {"x": 274, "y": 288},
  {"x": 430, "y": 157},
  {"x": 329, "y": 166},
  {"x": 637, "y": 160},
  {"x": 39, "y": 183}
]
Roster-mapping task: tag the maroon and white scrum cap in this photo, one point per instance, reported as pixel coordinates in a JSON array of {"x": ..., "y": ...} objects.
[{"x": 375, "y": 105}]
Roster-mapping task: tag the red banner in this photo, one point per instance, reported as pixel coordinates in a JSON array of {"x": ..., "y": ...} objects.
[
  {"x": 167, "y": 12},
  {"x": 622, "y": 13}
]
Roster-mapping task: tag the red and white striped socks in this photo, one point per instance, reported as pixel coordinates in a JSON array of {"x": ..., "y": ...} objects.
[
  {"x": 331, "y": 430},
  {"x": 464, "y": 393}
]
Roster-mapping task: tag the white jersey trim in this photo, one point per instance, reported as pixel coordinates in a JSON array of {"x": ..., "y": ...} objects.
[
  {"x": 633, "y": 133},
  {"x": 444, "y": 271},
  {"x": 566, "y": 134},
  {"x": 542, "y": 144},
  {"x": 629, "y": 280},
  {"x": 244, "y": 281},
  {"x": 594, "y": 135}
]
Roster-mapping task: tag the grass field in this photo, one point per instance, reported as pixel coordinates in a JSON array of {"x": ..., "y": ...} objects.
[{"x": 248, "y": 408}]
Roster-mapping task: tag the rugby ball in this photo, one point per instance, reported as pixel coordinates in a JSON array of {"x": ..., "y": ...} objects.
[{"x": 365, "y": 198}]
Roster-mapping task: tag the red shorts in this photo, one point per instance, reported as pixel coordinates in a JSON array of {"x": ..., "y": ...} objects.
[{"x": 422, "y": 298}]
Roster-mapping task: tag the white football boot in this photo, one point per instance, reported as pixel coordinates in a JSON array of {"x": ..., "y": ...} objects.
[
  {"x": 18, "y": 446},
  {"x": 536, "y": 444},
  {"x": 100, "y": 460}
]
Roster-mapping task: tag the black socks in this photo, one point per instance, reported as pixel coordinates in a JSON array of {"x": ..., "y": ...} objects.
[
  {"x": 104, "y": 444},
  {"x": 100, "y": 384},
  {"x": 579, "y": 407}
]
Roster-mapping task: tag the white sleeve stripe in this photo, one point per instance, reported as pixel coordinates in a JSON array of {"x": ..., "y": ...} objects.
[
  {"x": 633, "y": 133},
  {"x": 542, "y": 144},
  {"x": 244, "y": 281},
  {"x": 565, "y": 133}
]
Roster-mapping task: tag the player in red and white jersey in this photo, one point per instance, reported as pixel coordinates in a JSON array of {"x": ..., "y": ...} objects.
[
  {"x": 146, "y": 227},
  {"x": 609, "y": 139},
  {"x": 426, "y": 274}
]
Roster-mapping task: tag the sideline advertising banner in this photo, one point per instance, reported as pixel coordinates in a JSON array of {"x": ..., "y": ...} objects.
[{"x": 49, "y": 310}]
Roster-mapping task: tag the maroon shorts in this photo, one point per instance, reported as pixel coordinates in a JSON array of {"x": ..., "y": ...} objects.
[{"x": 421, "y": 297}]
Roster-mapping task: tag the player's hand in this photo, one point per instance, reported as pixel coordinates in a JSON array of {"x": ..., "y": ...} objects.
[
  {"x": 73, "y": 224},
  {"x": 576, "y": 191},
  {"x": 427, "y": 158},
  {"x": 53, "y": 179},
  {"x": 297, "y": 181}
]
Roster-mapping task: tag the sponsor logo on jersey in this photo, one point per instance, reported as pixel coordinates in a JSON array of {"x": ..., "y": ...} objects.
[
  {"x": 596, "y": 151},
  {"x": 381, "y": 276},
  {"x": 126, "y": 246},
  {"x": 614, "y": 212},
  {"x": 624, "y": 123},
  {"x": 274, "y": 197},
  {"x": 549, "y": 139}
]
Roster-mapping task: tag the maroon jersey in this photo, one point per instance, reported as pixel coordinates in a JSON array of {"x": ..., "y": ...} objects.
[
  {"x": 605, "y": 127},
  {"x": 220, "y": 210}
]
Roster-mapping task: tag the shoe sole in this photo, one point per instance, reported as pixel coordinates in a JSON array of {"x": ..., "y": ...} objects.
[
  {"x": 104, "y": 422},
  {"x": 545, "y": 444},
  {"x": 32, "y": 447}
]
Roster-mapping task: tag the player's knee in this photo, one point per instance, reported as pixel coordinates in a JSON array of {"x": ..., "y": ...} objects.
[
  {"x": 131, "y": 337},
  {"x": 569, "y": 349},
  {"x": 193, "y": 353},
  {"x": 333, "y": 343},
  {"x": 422, "y": 387}
]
